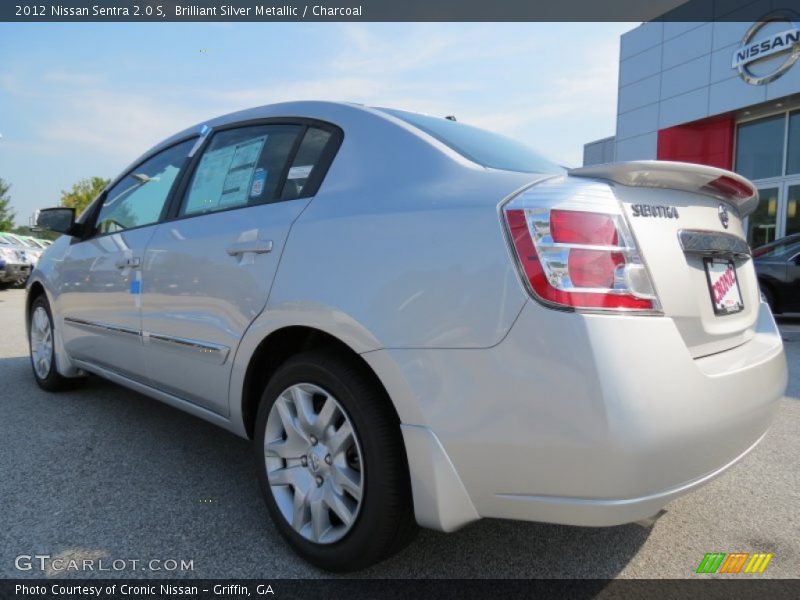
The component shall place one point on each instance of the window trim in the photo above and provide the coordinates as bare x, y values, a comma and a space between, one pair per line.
309, 190
175, 196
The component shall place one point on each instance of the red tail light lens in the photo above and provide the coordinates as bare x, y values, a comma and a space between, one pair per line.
578, 227
593, 268
728, 186
579, 258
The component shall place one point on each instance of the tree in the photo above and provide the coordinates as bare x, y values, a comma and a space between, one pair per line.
82, 193
6, 214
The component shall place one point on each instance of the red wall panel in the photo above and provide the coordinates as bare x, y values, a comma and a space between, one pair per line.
706, 142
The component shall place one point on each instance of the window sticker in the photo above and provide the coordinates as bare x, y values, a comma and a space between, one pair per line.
300, 172
257, 187
224, 176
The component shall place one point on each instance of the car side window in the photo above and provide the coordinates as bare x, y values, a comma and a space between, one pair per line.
240, 167
139, 198
308, 157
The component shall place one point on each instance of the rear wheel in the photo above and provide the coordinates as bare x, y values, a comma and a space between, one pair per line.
43, 359
331, 463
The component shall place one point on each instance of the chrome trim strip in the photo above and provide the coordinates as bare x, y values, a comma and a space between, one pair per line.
94, 325
713, 243
212, 353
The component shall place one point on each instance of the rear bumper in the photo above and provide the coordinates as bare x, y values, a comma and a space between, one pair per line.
581, 419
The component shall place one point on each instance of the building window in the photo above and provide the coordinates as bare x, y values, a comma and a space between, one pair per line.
768, 152
793, 155
759, 148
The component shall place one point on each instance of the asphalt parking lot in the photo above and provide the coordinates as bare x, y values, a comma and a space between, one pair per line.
103, 472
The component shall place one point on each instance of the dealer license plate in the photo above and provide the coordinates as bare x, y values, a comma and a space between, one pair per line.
726, 297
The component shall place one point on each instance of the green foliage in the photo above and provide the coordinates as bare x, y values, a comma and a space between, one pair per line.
6, 214
82, 193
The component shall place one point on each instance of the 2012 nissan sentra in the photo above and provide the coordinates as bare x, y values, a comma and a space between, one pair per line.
419, 322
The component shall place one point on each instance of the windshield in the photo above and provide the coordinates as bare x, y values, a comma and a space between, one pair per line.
486, 148
787, 245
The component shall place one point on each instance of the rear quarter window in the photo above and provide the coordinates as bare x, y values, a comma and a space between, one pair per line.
309, 158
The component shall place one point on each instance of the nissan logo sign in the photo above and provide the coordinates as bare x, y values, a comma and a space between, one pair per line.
757, 48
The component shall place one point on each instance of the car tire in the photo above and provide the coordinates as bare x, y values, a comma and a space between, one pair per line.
769, 298
42, 349
302, 490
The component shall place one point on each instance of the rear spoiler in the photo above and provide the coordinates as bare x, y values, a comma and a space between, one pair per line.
687, 177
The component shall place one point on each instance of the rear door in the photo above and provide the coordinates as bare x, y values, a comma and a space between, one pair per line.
207, 272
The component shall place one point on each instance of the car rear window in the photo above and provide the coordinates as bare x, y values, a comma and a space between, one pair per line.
486, 148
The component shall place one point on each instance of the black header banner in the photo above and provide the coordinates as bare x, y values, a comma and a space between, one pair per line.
388, 10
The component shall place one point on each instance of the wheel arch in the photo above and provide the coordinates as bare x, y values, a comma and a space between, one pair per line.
277, 347
35, 290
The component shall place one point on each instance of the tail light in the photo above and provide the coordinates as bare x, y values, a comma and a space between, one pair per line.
575, 249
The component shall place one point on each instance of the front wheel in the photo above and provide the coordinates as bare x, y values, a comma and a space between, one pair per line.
331, 463
43, 358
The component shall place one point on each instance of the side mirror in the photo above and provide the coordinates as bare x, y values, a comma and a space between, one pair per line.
60, 220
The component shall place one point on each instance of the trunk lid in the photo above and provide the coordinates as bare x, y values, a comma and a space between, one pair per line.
677, 213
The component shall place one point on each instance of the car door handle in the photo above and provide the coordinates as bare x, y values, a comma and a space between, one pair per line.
129, 262
256, 247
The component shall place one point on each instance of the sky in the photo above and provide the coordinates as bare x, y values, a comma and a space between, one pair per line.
82, 99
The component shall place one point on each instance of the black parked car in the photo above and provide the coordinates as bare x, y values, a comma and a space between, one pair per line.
778, 269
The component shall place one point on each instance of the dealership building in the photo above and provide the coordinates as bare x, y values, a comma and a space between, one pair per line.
725, 93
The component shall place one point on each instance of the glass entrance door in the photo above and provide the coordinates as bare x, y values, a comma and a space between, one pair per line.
762, 224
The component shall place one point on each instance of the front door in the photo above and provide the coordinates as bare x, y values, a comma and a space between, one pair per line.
208, 272
98, 281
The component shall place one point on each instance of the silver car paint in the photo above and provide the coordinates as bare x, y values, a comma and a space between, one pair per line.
198, 300
99, 318
402, 257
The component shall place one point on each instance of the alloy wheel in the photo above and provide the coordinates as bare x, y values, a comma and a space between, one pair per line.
41, 342
314, 463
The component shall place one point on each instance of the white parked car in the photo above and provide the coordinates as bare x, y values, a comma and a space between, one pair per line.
16, 265
420, 322
32, 250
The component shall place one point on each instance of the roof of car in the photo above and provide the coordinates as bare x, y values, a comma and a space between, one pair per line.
307, 109
349, 116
